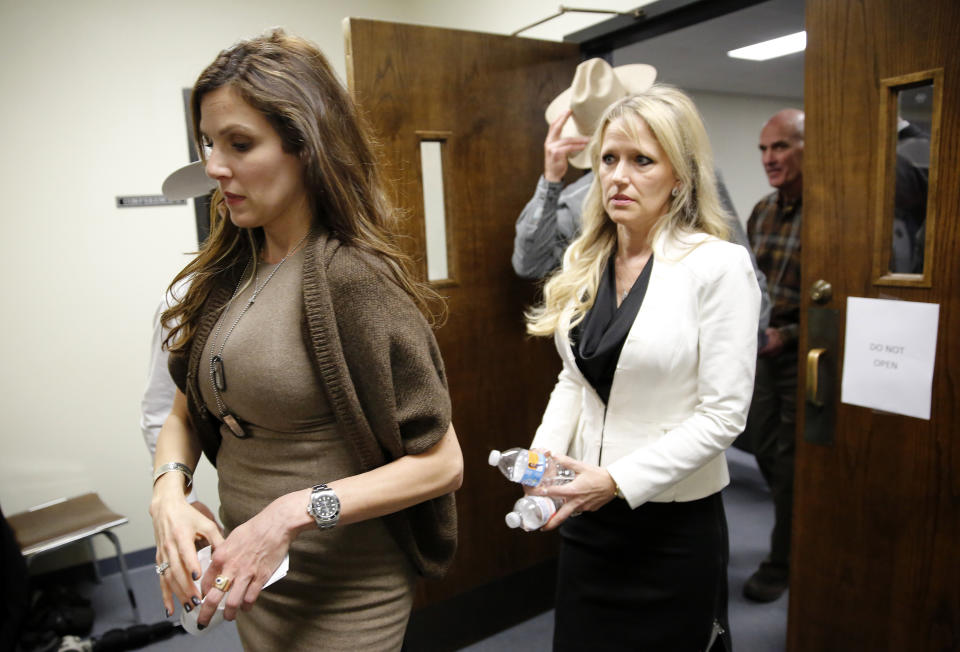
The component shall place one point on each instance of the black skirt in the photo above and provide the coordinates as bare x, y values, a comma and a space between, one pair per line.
650, 579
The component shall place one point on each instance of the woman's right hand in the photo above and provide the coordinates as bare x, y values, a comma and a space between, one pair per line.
592, 488
177, 527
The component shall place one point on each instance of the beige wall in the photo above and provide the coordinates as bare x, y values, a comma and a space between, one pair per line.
92, 109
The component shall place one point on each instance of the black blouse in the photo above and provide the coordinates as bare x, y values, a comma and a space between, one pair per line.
599, 337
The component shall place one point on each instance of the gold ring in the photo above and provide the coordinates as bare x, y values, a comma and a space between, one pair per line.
222, 583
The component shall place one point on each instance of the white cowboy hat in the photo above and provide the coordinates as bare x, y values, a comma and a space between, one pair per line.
596, 85
189, 181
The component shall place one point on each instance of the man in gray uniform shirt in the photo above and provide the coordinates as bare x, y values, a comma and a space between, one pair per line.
551, 220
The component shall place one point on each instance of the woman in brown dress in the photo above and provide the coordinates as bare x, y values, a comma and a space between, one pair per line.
307, 373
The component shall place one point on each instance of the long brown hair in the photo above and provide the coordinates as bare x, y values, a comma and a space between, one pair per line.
291, 83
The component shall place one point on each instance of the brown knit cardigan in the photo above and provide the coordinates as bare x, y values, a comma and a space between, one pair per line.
381, 369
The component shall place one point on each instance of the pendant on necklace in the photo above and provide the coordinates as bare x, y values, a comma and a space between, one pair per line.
219, 375
234, 426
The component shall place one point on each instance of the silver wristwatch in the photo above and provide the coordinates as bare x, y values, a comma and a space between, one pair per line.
324, 506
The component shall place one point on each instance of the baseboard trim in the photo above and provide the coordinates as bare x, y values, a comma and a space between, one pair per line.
135, 559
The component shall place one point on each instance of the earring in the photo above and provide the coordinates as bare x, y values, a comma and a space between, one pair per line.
675, 191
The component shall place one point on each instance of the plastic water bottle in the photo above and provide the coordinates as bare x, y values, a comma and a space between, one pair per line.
529, 468
532, 512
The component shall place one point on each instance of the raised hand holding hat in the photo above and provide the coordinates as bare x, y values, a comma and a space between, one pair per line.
596, 85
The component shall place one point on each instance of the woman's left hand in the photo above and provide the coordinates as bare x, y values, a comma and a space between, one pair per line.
590, 490
247, 558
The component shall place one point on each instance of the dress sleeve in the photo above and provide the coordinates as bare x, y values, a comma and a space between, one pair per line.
729, 308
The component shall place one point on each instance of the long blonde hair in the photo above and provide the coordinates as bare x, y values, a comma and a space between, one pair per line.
675, 122
291, 83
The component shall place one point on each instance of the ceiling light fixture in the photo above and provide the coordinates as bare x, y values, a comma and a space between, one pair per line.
771, 49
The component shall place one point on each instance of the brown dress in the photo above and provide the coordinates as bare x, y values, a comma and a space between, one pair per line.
348, 588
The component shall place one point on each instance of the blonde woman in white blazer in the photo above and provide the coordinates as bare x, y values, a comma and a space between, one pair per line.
655, 318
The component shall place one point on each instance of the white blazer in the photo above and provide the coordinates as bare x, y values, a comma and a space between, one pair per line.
683, 383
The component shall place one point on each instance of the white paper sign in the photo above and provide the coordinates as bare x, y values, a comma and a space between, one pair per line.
888, 355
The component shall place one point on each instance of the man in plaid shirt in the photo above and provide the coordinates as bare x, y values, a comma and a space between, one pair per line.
774, 230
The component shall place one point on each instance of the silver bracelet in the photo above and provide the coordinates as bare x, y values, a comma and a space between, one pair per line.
173, 466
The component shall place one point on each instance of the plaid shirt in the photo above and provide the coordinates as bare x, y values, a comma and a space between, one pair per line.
774, 231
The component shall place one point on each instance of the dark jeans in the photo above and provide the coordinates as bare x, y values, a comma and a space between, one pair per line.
770, 436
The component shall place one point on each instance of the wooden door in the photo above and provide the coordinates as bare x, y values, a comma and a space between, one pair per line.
876, 537
482, 97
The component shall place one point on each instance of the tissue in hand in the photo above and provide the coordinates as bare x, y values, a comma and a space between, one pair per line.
189, 619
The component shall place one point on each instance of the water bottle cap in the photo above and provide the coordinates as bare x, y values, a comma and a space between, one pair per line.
513, 520
494, 458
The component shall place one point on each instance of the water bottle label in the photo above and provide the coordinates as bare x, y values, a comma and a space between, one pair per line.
536, 466
547, 507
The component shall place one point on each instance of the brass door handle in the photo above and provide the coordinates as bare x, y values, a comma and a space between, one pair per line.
813, 376
821, 292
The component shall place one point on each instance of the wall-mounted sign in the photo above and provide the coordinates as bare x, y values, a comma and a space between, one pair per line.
888, 355
136, 201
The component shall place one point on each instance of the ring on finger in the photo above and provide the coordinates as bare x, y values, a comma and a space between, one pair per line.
162, 567
222, 582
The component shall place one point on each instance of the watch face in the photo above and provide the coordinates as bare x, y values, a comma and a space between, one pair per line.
326, 506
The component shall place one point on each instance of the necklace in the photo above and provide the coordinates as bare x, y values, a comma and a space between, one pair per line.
218, 373
626, 274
